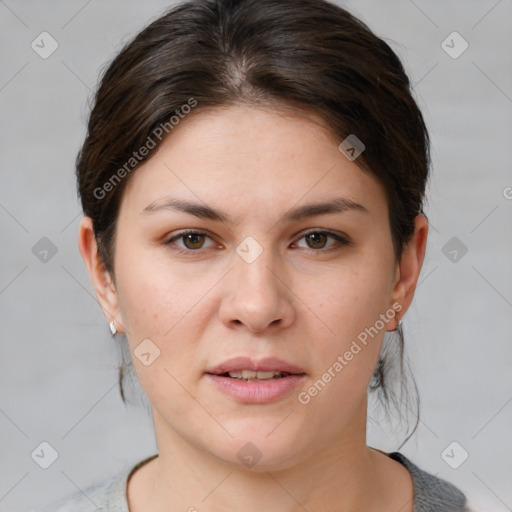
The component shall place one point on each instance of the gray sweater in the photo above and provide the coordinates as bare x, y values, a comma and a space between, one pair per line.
431, 494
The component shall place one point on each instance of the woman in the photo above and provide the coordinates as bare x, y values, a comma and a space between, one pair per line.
252, 181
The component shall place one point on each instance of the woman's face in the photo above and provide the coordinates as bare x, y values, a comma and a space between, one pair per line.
252, 290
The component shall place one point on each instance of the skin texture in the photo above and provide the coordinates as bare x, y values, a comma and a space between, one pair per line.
296, 301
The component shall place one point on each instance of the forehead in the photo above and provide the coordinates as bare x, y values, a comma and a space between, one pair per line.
249, 156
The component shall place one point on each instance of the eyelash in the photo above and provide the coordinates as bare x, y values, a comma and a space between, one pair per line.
343, 241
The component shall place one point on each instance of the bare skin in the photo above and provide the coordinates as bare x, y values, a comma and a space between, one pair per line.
304, 299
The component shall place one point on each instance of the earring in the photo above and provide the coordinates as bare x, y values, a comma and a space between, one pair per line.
398, 326
113, 329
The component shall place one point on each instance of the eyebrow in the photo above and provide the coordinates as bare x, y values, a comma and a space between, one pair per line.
335, 205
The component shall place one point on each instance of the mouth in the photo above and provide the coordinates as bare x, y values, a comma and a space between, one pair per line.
249, 375
249, 381
246, 368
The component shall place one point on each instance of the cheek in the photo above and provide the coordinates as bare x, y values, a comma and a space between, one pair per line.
353, 297
155, 296
165, 329
344, 362
162, 312
351, 305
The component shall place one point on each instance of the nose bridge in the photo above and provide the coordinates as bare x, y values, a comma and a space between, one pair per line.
257, 297
255, 268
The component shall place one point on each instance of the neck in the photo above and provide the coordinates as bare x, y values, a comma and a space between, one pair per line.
344, 474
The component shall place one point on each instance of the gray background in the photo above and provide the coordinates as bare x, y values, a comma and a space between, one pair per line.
58, 362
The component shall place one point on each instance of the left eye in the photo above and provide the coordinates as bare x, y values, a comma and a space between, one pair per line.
319, 238
316, 240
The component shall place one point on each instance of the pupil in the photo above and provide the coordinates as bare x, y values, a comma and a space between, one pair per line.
194, 237
316, 235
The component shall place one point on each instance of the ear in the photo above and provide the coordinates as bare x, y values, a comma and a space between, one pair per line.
409, 267
101, 279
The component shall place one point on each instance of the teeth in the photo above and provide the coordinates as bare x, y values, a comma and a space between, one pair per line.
252, 375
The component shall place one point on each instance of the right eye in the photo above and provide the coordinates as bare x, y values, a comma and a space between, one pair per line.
192, 240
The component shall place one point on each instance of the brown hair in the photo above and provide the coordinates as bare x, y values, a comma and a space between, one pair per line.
311, 54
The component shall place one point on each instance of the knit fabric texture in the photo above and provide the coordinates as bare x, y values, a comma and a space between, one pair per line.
431, 494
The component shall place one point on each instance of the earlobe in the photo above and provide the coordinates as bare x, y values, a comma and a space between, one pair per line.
100, 277
409, 268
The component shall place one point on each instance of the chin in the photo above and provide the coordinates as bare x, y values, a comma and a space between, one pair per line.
256, 447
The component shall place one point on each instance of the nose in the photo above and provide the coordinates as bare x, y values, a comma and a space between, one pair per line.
257, 295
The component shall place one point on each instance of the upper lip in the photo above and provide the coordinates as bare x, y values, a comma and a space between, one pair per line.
266, 364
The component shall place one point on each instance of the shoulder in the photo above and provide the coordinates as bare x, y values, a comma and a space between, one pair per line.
106, 496
432, 494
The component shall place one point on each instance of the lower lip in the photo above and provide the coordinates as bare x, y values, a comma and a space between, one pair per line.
256, 392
